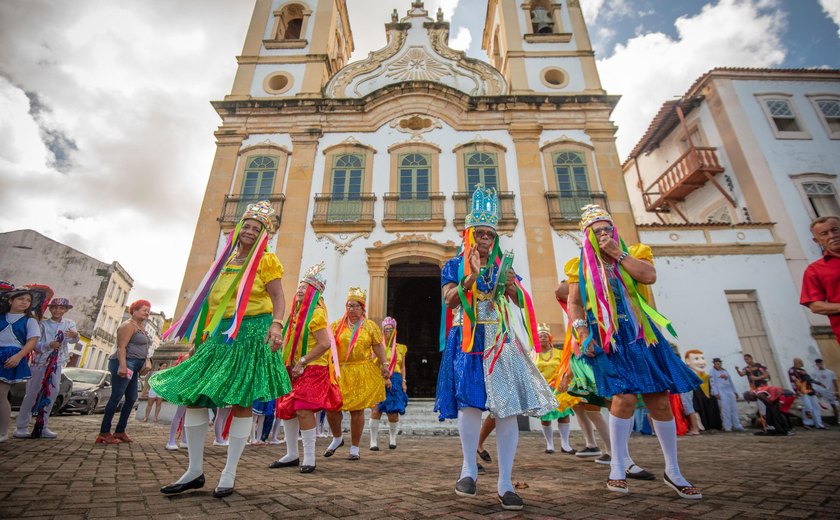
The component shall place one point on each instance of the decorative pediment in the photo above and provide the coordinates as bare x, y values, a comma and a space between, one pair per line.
417, 50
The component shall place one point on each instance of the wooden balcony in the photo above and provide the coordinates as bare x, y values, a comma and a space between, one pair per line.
507, 211
235, 206
414, 212
564, 207
343, 213
691, 171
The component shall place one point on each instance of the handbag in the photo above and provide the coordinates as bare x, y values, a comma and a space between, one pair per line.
147, 367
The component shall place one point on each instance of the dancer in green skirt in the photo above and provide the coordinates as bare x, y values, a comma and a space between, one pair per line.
235, 320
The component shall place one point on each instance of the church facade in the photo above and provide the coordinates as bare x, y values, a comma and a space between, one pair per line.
370, 164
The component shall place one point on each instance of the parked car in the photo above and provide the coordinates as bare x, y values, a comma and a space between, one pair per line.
65, 388
91, 390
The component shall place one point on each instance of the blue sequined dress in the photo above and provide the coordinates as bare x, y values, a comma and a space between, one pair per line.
515, 386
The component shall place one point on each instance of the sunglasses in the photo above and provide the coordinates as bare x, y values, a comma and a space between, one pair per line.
604, 230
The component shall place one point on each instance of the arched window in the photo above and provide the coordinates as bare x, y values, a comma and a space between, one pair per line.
542, 21
347, 177
291, 22
257, 181
481, 168
414, 176
570, 172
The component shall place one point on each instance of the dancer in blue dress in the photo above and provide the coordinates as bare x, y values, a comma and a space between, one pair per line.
629, 356
484, 365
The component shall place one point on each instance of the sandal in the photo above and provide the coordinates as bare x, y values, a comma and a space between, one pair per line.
690, 492
617, 485
123, 437
107, 438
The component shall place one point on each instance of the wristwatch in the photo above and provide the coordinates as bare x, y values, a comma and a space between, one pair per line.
302, 360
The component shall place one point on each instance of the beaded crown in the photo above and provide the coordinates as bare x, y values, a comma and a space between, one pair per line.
263, 213
484, 210
592, 213
357, 294
389, 322
314, 276
543, 328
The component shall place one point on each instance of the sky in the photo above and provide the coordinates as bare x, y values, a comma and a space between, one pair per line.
106, 128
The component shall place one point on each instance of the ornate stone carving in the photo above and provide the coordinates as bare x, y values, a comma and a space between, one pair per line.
343, 242
492, 80
416, 124
417, 64
342, 79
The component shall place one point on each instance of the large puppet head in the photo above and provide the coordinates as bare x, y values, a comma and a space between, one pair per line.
695, 360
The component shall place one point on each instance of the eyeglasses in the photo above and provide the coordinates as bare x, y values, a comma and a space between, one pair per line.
606, 229
485, 234
353, 306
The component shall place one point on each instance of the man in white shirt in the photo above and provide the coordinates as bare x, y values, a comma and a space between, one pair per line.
40, 363
827, 386
721, 387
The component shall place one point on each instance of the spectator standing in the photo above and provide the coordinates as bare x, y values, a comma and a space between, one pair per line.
153, 398
802, 384
756, 373
821, 281
722, 388
827, 386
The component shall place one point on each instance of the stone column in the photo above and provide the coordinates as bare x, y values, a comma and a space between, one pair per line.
206, 238
541, 260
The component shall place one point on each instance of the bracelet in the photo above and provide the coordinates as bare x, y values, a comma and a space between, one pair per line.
622, 256
462, 283
302, 360
275, 320
580, 324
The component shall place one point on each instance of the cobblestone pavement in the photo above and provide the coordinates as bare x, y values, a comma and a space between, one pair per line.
742, 476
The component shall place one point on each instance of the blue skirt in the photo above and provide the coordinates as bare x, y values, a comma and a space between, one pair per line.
632, 367
395, 398
13, 375
461, 377
263, 407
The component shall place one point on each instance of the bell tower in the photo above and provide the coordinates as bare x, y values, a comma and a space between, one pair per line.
292, 49
541, 46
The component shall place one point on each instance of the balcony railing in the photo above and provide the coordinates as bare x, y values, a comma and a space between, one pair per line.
413, 211
107, 337
353, 212
235, 206
564, 206
507, 211
688, 173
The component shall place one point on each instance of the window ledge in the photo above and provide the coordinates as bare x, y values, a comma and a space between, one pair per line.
285, 44
548, 38
327, 226
394, 225
793, 135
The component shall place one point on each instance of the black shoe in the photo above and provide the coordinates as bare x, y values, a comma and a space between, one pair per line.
640, 475
484, 455
511, 501
352, 456
568, 452
392, 446
221, 492
280, 464
549, 451
307, 469
329, 453
604, 459
465, 487
374, 448
589, 452
481, 470
173, 489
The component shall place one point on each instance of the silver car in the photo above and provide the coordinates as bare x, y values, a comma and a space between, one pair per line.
91, 390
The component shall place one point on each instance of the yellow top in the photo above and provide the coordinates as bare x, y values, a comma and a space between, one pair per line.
638, 251
259, 302
318, 322
401, 350
369, 336
547, 365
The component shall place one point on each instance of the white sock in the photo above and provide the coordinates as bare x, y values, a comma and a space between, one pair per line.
222, 415
238, 439
507, 437
290, 430
308, 437
374, 431
548, 433
601, 425
335, 442
275, 429
469, 428
392, 430
354, 450
565, 429
587, 429
195, 430
619, 435
666, 432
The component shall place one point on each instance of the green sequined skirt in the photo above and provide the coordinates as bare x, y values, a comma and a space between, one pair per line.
583, 383
223, 374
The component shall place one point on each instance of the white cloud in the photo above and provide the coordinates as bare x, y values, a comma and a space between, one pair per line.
462, 40
590, 10
652, 68
832, 9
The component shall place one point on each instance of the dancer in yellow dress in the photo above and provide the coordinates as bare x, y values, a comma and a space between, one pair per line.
357, 339
548, 363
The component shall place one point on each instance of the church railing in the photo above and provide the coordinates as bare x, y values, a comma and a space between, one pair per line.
343, 212
507, 210
417, 211
564, 206
235, 206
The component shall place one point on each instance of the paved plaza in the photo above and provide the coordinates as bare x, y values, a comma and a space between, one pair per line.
742, 476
